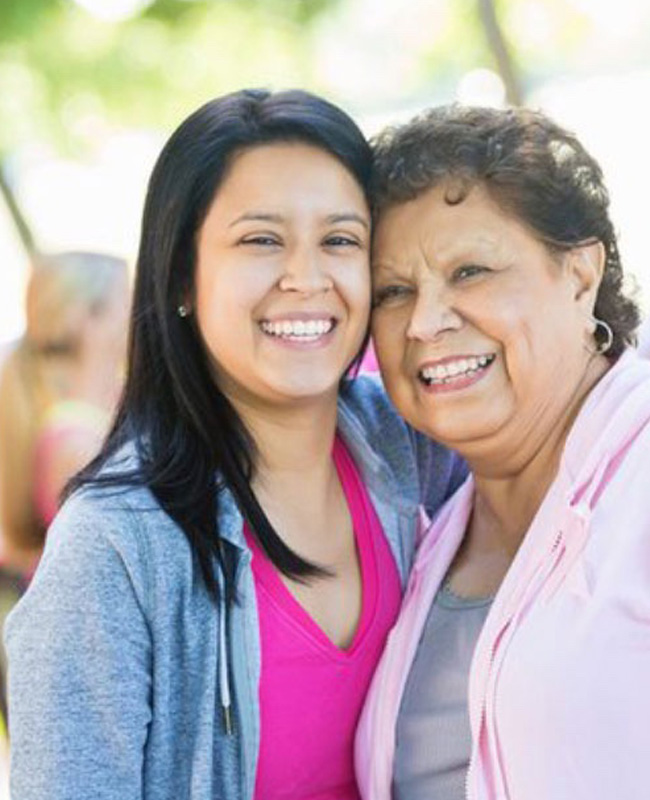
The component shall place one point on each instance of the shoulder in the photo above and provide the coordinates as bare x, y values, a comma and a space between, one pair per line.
369, 422
625, 480
103, 531
613, 476
93, 546
365, 399
616, 561
367, 414
114, 506
372, 428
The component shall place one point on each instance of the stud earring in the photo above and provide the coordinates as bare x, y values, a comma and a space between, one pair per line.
182, 311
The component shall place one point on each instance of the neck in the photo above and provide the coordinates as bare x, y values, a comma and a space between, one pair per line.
293, 440
295, 480
508, 496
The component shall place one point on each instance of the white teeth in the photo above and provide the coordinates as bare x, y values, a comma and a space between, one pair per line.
303, 329
444, 373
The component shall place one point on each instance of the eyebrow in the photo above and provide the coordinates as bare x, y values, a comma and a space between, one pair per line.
257, 216
349, 216
383, 269
262, 216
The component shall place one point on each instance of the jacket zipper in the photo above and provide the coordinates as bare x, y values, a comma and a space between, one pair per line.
554, 557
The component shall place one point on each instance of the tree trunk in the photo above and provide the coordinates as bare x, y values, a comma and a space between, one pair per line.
22, 225
499, 47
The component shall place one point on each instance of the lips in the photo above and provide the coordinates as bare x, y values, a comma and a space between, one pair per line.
455, 368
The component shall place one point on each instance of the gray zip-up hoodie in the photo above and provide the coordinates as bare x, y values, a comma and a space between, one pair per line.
120, 661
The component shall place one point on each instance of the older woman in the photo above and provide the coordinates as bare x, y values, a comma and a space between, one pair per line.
520, 666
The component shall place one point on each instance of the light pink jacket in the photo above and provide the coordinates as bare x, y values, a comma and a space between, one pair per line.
559, 692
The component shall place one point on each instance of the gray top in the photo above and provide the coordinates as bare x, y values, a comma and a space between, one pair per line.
117, 659
433, 741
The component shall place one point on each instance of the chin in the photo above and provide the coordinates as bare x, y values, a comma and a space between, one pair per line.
300, 392
452, 433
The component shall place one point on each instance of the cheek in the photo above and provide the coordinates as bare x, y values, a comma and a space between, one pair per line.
389, 343
540, 346
218, 312
379, 329
354, 284
226, 292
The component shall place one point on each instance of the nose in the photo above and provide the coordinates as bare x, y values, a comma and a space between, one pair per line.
305, 271
433, 314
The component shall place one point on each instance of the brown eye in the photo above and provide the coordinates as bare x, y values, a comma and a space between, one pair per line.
341, 241
468, 271
260, 240
384, 294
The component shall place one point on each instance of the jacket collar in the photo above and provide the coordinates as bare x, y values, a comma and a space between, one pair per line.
617, 408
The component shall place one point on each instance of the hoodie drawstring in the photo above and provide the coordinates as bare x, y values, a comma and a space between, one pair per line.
224, 666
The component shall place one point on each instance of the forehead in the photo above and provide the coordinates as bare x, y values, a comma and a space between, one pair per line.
431, 224
273, 170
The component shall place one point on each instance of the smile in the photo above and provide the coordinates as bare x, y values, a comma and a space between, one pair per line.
453, 370
298, 330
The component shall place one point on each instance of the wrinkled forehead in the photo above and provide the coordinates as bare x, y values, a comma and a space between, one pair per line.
446, 223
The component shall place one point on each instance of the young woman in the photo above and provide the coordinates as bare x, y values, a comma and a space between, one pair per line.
214, 597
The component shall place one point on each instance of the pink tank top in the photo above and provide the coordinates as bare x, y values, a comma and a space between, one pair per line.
311, 692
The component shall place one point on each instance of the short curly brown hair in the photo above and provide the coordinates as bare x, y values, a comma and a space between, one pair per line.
533, 169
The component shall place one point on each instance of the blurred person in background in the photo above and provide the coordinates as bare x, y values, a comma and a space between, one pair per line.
58, 388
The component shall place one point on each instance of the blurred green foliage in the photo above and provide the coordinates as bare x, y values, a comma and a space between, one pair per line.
62, 70
65, 73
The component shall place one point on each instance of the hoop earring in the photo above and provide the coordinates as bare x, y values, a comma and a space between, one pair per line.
183, 311
606, 345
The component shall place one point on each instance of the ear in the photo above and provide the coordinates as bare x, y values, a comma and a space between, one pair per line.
586, 264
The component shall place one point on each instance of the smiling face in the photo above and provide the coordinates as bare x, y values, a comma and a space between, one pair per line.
480, 331
282, 288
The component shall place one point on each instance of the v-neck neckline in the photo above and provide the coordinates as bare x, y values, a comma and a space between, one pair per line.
286, 602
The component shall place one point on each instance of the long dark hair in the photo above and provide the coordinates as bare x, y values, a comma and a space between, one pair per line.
191, 443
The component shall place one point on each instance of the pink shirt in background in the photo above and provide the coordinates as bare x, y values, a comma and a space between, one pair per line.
369, 361
311, 692
74, 427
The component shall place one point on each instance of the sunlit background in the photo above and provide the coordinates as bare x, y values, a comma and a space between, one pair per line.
89, 90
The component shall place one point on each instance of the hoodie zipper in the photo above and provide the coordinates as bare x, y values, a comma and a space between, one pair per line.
554, 555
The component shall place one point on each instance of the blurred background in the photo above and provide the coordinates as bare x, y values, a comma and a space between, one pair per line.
89, 89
